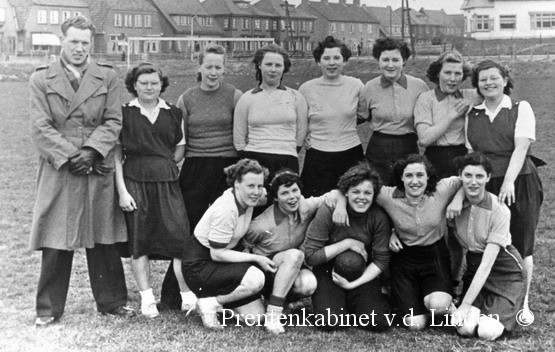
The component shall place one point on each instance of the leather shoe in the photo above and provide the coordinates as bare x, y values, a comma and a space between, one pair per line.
121, 311
43, 322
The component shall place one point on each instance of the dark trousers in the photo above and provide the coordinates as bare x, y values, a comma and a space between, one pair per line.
105, 274
332, 301
384, 150
202, 181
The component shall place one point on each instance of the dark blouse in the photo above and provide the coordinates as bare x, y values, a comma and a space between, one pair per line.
149, 147
372, 228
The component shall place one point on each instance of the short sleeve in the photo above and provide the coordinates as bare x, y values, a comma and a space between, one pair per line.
526, 122
222, 227
499, 231
423, 110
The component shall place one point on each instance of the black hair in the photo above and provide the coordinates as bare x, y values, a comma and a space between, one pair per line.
331, 42
400, 166
270, 48
79, 22
450, 57
236, 171
486, 65
475, 159
283, 177
358, 174
387, 43
144, 67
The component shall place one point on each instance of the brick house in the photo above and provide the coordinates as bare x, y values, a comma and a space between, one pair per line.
296, 36
38, 23
347, 22
449, 26
390, 22
117, 20
424, 28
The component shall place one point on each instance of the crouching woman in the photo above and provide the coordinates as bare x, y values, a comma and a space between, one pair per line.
494, 281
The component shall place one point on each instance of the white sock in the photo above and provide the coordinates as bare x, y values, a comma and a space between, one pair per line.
147, 296
188, 296
274, 309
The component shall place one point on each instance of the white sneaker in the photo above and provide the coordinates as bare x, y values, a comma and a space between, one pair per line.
149, 310
273, 324
188, 302
208, 310
527, 317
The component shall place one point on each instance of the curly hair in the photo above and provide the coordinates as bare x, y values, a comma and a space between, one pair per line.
400, 166
283, 177
385, 44
236, 171
331, 42
486, 65
474, 159
140, 69
270, 48
358, 174
447, 57
79, 22
209, 49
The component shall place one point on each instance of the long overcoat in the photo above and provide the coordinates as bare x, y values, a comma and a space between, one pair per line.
75, 211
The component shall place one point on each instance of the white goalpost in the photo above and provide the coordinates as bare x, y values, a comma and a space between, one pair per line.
188, 46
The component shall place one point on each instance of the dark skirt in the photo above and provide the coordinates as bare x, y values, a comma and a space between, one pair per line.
525, 211
444, 158
417, 271
202, 181
208, 278
384, 150
503, 292
322, 170
273, 162
159, 226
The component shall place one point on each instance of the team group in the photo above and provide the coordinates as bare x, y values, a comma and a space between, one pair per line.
233, 219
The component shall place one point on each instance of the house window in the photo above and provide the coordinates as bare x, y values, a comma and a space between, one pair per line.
283, 25
483, 23
507, 22
352, 28
310, 26
65, 15
148, 21
369, 28
226, 23
274, 25
543, 20
333, 27
54, 17
138, 21
128, 20
257, 24
184, 20
342, 27
151, 46
267, 24
246, 23
234, 23
292, 25
41, 16
117, 20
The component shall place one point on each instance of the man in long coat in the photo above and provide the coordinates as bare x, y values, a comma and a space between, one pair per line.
76, 120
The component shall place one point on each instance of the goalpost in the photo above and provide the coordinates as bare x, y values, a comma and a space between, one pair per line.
188, 46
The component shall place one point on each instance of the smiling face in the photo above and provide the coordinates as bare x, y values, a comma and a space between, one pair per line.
415, 180
249, 190
332, 63
272, 67
491, 83
76, 44
450, 77
360, 197
391, 64
474, 179
288, 198
148, 87
211, 71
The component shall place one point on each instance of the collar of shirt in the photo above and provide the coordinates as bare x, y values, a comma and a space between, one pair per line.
259, 89
150, 116
397, 193
242, 210
485, 203
279, 215
505, 103
440, 95
402, 81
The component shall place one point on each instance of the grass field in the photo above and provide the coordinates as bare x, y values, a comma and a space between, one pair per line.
83, 329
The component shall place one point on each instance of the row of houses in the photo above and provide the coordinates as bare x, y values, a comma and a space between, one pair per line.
33, 26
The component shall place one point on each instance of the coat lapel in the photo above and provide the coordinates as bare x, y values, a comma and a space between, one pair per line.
58, 82
91, 82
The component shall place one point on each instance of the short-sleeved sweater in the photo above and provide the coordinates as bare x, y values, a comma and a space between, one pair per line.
148, 147
208, 121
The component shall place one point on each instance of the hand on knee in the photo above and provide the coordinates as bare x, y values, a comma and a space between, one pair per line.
489, 328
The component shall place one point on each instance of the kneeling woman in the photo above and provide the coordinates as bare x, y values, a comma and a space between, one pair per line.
494, 281
420, 263
213, 270
326, 242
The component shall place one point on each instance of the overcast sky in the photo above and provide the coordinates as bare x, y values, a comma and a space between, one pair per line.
450, 6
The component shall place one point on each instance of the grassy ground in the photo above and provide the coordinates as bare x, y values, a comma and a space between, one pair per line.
82, 329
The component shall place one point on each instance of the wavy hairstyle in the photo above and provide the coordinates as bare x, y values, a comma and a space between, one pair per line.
387, 43
331, 42
447, 57
79, 22
144, 67
486, 65
236, 171
270, 48
401, 165
358, 174
474, 159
